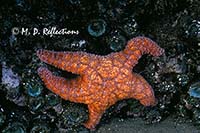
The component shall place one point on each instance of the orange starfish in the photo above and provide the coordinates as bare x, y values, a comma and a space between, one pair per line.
103, 80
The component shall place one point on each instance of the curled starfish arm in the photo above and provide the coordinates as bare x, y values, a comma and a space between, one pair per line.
138, 46
67, 89
145, 46
75, 62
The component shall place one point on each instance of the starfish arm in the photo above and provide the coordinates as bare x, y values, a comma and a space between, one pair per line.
75, 62
142, 91
67, 89
145, 46
95, 114
138, 46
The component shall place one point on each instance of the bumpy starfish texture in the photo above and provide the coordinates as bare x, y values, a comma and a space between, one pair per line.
103, 80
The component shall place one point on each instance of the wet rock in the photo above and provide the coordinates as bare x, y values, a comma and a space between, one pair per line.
12, 40
153, 116
176, 65
15, 127
40, 128
35, 104
196, 116
73, 115
135, 109
2, 117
